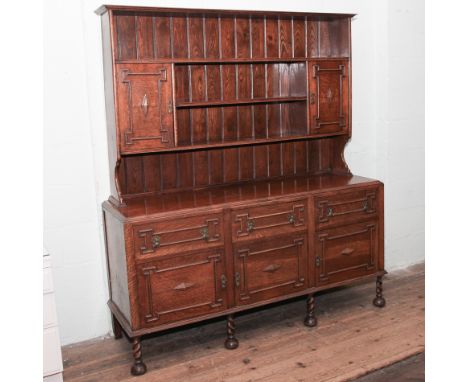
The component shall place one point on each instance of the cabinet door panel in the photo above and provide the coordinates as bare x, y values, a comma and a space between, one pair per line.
270, 268
181, 287
145, 115
328, 96
346, 252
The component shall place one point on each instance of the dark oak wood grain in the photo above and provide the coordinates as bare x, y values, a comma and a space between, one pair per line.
230, 189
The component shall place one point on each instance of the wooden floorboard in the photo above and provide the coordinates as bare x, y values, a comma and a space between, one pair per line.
408, 370
352, 339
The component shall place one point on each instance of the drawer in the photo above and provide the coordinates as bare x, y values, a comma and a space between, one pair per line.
270, 219
346, 252
49, 317
270, 268
345, 207
47, 284
52, 360
173, 236
181, 287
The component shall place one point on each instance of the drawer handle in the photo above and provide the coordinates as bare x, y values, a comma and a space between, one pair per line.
329, 211
204, 233
347, 251
292, 219
317, 261
237, 278
272, 268
250, 225
366, 206
156, 241
183, 286
223, 281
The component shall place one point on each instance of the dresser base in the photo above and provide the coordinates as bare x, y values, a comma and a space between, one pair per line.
120, 324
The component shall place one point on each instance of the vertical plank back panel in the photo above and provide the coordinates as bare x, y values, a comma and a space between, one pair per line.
126, 37
162, 36
167, 35
145, 40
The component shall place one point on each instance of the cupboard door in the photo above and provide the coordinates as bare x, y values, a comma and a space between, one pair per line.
345, 253
328, 96
145, 109
181, 287
271, 268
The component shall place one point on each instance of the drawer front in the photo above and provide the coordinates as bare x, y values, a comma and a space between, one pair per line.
175, 235
345, 207
270, 268
181, 287
268, 220
346, 252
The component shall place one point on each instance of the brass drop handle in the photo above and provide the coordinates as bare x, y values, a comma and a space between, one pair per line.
169, 107
156, 241
223, 281
317, 261
366, 206
292, 219
312, 98
204, 233
329, 211
237, 279
250, 225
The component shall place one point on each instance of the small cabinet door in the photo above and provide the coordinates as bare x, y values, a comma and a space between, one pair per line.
145, 109
265, 269
328, 96
346, 253
181, 287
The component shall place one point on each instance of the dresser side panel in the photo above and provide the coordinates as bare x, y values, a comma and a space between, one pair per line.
112, 137
117, 264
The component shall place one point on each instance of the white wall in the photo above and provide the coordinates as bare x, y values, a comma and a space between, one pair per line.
387, 143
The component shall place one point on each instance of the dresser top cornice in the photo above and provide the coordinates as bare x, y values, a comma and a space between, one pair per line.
108, 7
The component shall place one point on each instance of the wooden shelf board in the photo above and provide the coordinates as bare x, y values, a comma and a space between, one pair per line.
236, 143
216, 61
142, 206
249, 101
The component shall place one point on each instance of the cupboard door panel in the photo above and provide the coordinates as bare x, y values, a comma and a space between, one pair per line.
181, 287
346, 252
328, 96
145, 110
269, 269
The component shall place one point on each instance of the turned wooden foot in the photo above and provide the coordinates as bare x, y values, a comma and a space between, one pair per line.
231, 340
379, 301
138, 367
116, 328
310, 319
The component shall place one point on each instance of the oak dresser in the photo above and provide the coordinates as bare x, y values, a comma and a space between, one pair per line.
229, 188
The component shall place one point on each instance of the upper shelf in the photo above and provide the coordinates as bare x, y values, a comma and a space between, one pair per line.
189, 37
247, 101
217, 61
